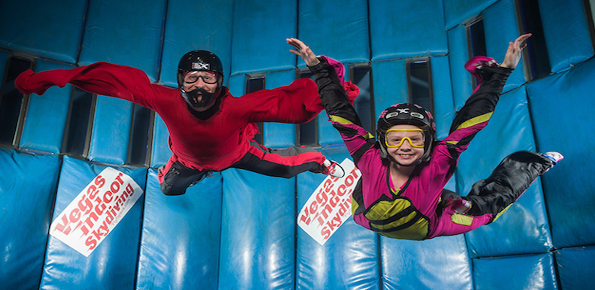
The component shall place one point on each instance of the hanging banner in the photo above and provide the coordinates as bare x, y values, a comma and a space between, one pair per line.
96, 211
330, 204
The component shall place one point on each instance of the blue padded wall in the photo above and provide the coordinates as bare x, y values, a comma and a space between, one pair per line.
180, 237
45, 125
561, 104
279, 135
112, 265
390, 84
462, 84
27, 190
160, 150
462, 11
575, 267
3, 60
112, 123
105, 39
395, 31
518, 272
444, 110
32, 27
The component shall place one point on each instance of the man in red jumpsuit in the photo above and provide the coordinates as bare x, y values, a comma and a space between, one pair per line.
209, 129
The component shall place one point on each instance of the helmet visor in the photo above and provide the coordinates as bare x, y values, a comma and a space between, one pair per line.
206, 76
396, 137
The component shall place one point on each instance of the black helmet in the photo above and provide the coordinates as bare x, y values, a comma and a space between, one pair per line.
406, 114
199, 60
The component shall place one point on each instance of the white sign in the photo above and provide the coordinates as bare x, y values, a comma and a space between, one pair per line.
330, 204
96, 211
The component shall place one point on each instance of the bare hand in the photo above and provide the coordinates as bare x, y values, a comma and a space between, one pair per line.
303, 51
513, 54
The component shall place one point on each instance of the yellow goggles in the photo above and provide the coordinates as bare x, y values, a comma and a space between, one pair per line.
396, 137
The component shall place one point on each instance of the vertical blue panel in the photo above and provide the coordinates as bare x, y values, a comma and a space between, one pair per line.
562, 104
194, 25
460, 11
524, 272
259, 32
335, 28
524, 228
462, 83
27, 189
396, 32
237, 85
180, 237
47, 115
390, 84
124, 32
444, 110
441, 263
348, 260
161, 152
279, 135
111, 130
32, 27
257, 231
501, 27
3, 61
112, 265
564, 23
576, 267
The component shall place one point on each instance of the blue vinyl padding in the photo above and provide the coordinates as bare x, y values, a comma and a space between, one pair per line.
27, 190
259, 33
462, 11
440, 263
335, 28
443, 98
524, 227
112, 265
180, 236
566, 33
126, 33
160, 151
111, 130
395, 30
390, 84
561, 105
501, 27
278, 135
575, 267
462, 83
258, 231
32, 27
47, 115
196, 25
520, 272
348, 260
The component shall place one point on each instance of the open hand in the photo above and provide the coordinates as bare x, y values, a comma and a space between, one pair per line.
303, 51
513, 54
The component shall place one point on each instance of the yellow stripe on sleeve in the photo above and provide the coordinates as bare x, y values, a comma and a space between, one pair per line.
476, 120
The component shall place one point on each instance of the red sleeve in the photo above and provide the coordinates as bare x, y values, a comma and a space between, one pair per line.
99, 78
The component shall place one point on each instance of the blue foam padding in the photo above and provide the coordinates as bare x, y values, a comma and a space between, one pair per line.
444, 110
127, 33
501, 27
524, 228
32, 26
278, 135
112, 265
45, 125
160, 152
565, 22
561, 105
462, 83
349, 259
257, 231
335, 28
395, 31
192, 25
575, 267
522, 272
390, 85
180, 236
259, 33
111, 130
27, 190
440, 263
462, 11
